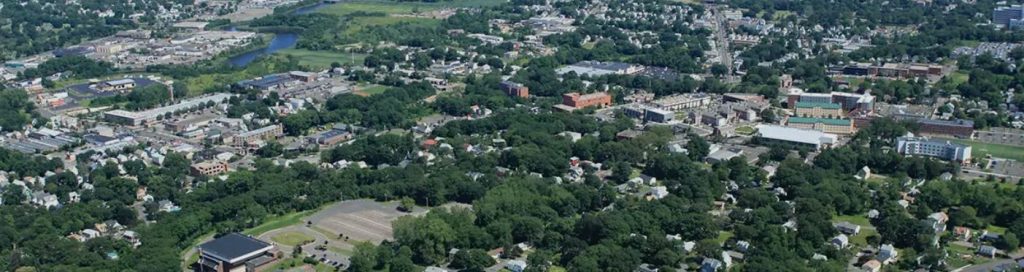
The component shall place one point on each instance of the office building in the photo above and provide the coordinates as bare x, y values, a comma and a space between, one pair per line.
515, 89
682, 101
848, 102
819, 110
921, 146
578, 101
264, 133
210, 168
1008, 17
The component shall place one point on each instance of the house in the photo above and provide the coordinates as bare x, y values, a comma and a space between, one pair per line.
887, 253
168, 206
659, 192
989, 236
710, 265
871, 266
987, 251
88, 234
646, 267
937, 221
864, 173
848, 228
873, 213
841, 241
516, 265
962, 233
44, 199
131, 237
235, 252
742, 246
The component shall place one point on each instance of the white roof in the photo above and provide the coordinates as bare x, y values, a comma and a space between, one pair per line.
798, 135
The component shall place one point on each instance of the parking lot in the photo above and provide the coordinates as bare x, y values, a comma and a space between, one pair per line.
360, 220
1006, 136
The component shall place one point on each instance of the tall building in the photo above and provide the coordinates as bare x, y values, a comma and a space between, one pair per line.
1009, 17
921, 146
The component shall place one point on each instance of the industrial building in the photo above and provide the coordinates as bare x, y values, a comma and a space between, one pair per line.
130, 118
1008, 17
921, 146
573, 101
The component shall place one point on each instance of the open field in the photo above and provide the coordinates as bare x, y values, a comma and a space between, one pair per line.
320, 60
860, 219
980, 150
298, 265
278, 222
291, 238
724, 236
359, 23
368, 90
745, 130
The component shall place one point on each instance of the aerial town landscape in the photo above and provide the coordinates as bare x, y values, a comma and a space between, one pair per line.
521, 135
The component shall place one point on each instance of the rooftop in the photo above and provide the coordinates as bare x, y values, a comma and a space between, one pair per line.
806, 136
830, 106
827, 121
233, 246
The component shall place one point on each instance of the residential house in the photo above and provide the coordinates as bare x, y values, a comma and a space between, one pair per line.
516, 265
937, 221
962, 233
987, 251
848, 228
841, 241
887, 254
871, 266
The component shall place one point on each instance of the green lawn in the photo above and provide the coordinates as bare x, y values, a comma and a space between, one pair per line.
996, 229
296, 264
358, 23
860, 219
373, 89
319, 60
724, 236
341, 251
745, 130
291, 238
958, 77
980, 150
278, 222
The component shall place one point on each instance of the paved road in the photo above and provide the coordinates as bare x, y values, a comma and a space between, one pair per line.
985, 267
310, 248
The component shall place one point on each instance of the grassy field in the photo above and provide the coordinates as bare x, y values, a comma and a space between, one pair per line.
278, 222
979, 150
958, 77
745, 130
319, 60
296, 265
357, 24
291, 238
861, 219
373, 89
724, 236
996, 229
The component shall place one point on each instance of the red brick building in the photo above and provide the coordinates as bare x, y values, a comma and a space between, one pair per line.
578, 101
515, 89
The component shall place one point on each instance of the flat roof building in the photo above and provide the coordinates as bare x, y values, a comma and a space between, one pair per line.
798, 136
148, 116
827, 125
235, 252
578, 101
921, 146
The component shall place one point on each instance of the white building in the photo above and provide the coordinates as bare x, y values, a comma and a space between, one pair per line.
921, 146
814, 138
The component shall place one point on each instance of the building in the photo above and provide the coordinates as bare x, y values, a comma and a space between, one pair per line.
957, 128
264, 133
303, 76
209, 168
514, 89
578, 101
841, 241
683, 101
887, 254
848, 102
848, 228
835, 126
598, 68
819, 110
987, 251
330, 137
149, 116
1008, 17
871, 266
658, 116
268, 82
119, 85
797, 136
946, 150
516, 265
235, 252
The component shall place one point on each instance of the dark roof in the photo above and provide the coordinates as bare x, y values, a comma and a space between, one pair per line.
232, 245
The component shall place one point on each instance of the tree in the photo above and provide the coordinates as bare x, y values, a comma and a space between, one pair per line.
697, 147
1009, 242
407, 204
719, 69
270, 150
471, 260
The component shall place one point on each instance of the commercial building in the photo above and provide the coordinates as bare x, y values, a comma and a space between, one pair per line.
1008, 17
578, 101
827, 125
893, 70
946, 150
848, 102
598, 68
797, 136
330, 137
145, 117
209, 168
958, 128
263, 133
819, 110
119, 85
235, 252
514, 89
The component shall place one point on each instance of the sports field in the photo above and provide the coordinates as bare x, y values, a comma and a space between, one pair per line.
980, 150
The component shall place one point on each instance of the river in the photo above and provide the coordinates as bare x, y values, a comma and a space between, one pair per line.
280, 41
